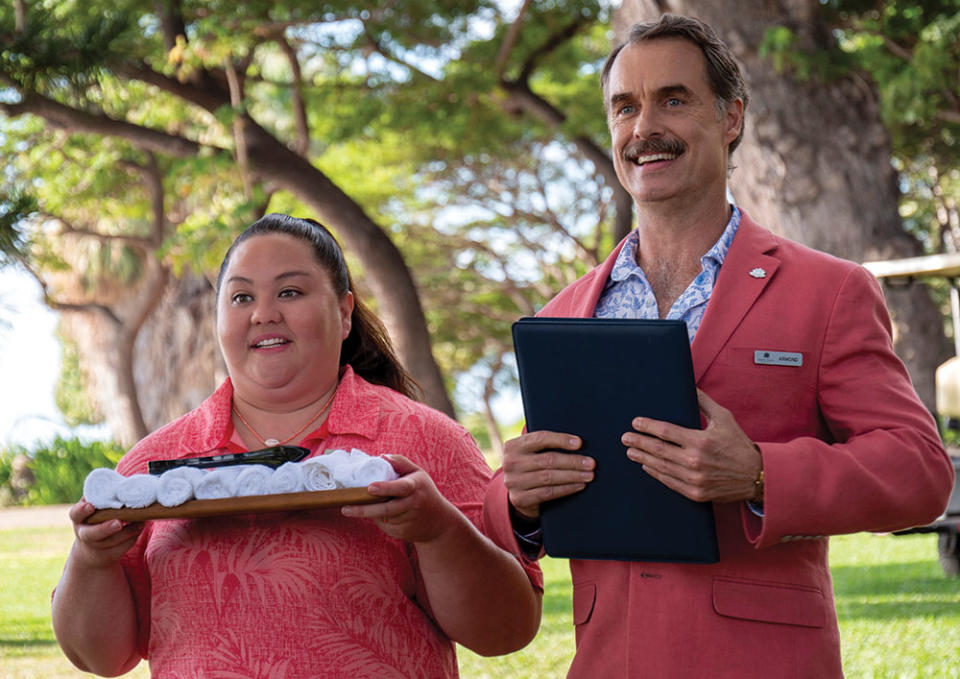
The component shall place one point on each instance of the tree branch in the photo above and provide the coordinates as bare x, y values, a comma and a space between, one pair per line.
75, 120
552, 43
522, 99
897, 49
171, 22
525, 100
510, 39
20, 13
302, 143
69, 230
239, 135
389, 56
69, 307
205, 90
949, 116
153, 179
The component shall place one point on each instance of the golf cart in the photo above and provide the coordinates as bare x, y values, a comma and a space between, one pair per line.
904, 271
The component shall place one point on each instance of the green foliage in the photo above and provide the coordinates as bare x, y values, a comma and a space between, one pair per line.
74, 54
404, 106
60, 467
14, 244
822, 62
912, 52
70, 392
475, 425
6, 470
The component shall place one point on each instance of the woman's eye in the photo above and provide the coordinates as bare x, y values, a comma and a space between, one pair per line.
240, 298
289, 292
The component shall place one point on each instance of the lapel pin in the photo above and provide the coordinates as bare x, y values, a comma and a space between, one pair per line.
758, 273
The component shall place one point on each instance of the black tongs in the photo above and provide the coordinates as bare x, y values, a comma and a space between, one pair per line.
272, 457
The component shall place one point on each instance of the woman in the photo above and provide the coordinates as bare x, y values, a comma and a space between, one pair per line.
379, 590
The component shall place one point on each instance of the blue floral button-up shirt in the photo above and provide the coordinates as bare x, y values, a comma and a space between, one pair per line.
627, 293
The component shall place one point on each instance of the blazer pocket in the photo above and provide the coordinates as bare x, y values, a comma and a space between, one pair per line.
769, 602
584, 598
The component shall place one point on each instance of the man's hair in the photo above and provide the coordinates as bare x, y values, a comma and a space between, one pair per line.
723, 74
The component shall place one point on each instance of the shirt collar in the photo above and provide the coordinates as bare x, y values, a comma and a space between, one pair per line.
718, 252
626, 262
356, 409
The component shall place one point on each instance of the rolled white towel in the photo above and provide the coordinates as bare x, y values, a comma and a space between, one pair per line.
100, 488
218, 483
357, 469
318, 473
138, 490
253, 480
338, 454
364, 472
176, 485
287, 478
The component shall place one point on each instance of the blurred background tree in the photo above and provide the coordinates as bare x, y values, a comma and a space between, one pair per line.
148, 134
458, 150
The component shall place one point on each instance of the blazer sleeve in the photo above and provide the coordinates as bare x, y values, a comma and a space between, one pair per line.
886, 468
498, 527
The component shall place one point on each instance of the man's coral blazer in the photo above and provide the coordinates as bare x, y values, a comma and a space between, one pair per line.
847, 446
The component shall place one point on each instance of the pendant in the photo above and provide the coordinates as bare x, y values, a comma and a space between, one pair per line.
272, 442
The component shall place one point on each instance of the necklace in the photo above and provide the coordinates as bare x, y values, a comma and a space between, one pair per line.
274, 442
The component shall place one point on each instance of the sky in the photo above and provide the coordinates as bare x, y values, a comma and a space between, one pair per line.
29, 366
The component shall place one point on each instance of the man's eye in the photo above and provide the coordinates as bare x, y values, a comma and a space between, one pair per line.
673, 102
626, 110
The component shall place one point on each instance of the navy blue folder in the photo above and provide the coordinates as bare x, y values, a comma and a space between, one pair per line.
591, 377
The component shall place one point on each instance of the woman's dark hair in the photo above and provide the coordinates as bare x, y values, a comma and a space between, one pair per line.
367, 348
723, 73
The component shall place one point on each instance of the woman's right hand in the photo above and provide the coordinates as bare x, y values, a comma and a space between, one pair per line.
101, 545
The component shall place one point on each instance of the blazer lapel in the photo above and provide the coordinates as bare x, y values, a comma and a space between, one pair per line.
747, 270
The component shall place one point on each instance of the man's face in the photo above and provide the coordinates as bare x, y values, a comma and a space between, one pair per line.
667, 140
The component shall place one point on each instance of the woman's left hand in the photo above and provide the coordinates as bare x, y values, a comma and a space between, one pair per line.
416, 512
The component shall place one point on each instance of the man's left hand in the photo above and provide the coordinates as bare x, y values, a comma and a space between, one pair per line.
716, 464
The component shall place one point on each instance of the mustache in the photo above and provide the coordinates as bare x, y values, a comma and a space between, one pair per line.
644, 147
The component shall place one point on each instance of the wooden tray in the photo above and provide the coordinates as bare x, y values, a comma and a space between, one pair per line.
249, 504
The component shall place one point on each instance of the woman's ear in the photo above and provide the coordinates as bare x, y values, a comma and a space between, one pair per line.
346, 314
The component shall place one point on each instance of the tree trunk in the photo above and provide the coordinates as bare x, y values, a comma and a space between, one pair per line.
814, 164
135, 392
182, 331
107, 344
385, 271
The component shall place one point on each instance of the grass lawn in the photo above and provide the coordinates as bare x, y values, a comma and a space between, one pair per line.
899, 616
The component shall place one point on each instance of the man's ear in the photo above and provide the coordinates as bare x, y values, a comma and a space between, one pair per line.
733, 120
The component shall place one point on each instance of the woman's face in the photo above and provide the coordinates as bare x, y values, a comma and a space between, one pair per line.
279, 322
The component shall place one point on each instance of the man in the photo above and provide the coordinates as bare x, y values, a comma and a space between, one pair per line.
830, 438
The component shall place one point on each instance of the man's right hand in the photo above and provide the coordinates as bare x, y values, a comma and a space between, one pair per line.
534, 469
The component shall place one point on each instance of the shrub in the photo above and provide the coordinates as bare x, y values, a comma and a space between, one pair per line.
60, 467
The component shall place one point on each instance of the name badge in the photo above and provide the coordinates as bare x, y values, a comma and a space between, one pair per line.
765, 357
